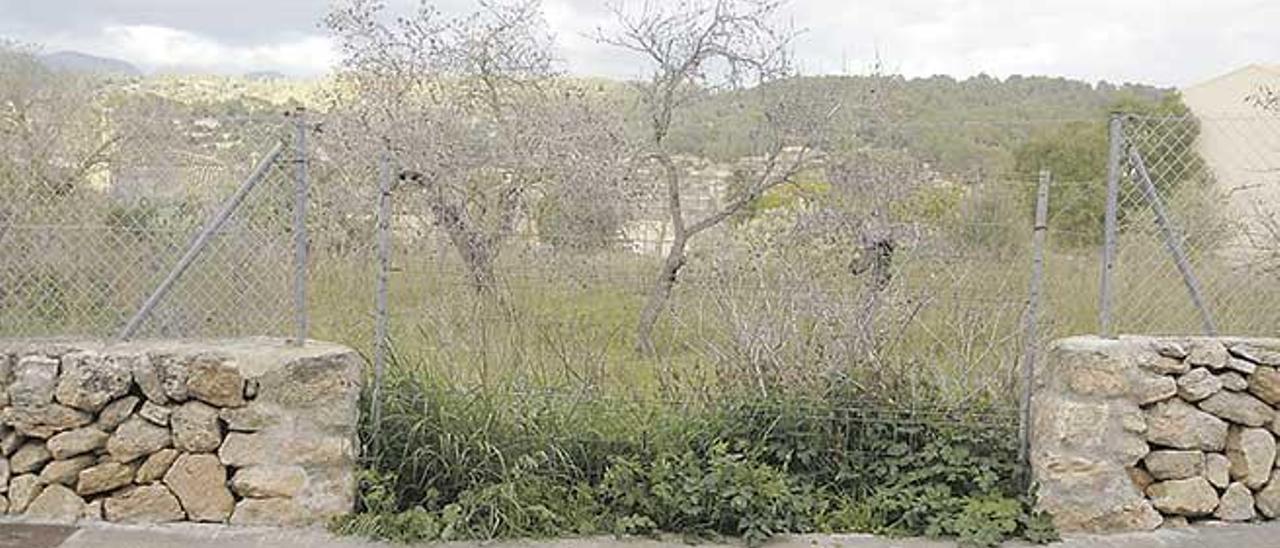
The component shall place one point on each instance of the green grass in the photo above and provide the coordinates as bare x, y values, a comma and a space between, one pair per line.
531, 413
446, 463
949, 328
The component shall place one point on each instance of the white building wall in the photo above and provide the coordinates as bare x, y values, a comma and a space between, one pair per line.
1240, 142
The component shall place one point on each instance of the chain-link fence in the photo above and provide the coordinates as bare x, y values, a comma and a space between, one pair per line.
922, 301
123, 238
924, 305
923, 298
1193, 232
881, 274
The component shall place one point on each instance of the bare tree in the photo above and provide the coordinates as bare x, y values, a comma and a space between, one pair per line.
48, 121
697, 48
53, 138
475, 114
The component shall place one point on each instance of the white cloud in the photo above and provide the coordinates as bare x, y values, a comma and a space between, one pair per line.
1167, 42
575, 25
165, 49
1170, 42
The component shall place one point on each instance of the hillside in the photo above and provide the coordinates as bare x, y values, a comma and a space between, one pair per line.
967, 128
232, 94
83, 63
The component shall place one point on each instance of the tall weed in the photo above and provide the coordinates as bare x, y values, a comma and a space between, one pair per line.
455, 463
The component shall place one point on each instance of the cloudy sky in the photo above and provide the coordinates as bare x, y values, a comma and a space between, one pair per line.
1167, 42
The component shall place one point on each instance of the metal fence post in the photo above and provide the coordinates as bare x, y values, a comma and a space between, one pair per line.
300, 239
382, 318
1031, 321
1172, 241
1115, 138
201, 241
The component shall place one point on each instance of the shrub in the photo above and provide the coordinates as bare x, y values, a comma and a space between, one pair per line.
720, 492
500, 463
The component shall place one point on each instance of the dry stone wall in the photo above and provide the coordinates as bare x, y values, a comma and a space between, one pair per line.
246, 432
1139, 432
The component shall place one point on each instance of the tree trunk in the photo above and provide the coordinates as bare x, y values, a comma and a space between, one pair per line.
659, 295
483, 278
476, 250
478, 255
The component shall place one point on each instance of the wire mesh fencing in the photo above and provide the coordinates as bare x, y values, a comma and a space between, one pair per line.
877, 273
1194, 245
88, 236
917, 299
926, 304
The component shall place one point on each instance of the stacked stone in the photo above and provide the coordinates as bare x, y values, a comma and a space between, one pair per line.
1211, 425
156, 437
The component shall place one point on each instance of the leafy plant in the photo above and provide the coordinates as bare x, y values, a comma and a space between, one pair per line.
720, 492
490, 463
380, 516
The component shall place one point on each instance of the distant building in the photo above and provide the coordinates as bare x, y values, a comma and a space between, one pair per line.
705, 186
1241, 143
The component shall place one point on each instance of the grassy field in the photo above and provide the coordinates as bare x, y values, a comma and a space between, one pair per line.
955, 320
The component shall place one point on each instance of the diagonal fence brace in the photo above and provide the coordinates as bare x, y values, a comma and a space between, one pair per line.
201, 242
1172, 240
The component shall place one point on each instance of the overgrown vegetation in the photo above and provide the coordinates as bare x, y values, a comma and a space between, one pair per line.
839, 352
480, 464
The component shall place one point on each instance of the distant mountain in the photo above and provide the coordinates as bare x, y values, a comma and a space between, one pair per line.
74, 61
265, 75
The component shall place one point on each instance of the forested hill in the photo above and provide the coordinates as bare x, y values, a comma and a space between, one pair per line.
968, 128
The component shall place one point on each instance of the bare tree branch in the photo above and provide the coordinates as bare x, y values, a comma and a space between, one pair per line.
477, 116
695, 49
